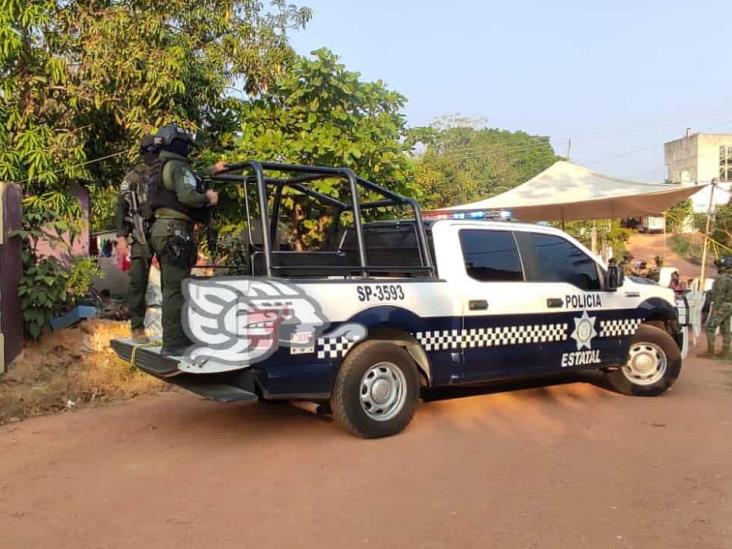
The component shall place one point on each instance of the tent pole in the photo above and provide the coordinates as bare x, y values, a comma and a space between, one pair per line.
706, 234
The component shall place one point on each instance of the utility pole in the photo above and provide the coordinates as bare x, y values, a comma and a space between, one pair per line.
569, 149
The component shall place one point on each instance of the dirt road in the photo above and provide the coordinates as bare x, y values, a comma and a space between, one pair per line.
570, 465
648, 246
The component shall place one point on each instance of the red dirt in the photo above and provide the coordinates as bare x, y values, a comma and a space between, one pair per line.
569, 465
648, 246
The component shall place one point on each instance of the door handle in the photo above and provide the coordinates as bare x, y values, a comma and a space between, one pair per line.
553, 302
477, 304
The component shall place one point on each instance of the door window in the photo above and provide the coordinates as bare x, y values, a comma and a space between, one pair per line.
551, 258
491, 256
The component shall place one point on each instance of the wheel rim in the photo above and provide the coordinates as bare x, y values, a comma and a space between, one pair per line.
383, 391
646, 364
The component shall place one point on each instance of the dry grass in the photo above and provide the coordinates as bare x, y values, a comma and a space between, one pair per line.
68, 369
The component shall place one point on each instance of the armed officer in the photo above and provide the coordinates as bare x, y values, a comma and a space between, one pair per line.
132, 219
178, 201
721, 308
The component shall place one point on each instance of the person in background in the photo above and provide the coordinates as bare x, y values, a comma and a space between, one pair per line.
721, 314
139, 262
676, 284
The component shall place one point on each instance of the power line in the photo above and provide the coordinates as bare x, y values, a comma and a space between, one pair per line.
641, 149
86, 163
617, 131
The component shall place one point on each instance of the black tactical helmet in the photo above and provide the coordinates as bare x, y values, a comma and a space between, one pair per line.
169, 133
148, 144
724, 262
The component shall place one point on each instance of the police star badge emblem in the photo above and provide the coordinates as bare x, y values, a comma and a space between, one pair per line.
584, 331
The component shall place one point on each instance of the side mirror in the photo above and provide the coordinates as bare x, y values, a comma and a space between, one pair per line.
614, 278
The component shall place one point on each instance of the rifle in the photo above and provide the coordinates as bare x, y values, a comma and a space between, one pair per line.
138, 223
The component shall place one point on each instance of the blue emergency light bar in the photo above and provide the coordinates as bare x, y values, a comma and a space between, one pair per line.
493, 215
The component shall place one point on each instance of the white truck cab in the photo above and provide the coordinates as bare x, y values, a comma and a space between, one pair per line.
394, 310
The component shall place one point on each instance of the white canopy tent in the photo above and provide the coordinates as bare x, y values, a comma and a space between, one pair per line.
721, 197
567, 192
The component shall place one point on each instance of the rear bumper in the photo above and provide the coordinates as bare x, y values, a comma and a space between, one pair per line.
147, 359
236, 386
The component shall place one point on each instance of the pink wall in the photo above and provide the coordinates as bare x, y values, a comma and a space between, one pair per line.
81, 242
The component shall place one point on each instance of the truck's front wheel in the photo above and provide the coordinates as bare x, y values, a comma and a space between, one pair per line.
654, 364
376, 390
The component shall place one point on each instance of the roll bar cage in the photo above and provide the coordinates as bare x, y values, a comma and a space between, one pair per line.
298, 177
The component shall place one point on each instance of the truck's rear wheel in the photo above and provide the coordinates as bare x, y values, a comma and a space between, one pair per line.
376, 390
654, 364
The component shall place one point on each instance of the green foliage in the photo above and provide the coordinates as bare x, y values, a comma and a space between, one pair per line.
677, 215
41, 290
86, 80
699, 222
82, 80
233, 252
609, 233
320, 113
463, 161
688, 249
102, 207
47, 284
721, 230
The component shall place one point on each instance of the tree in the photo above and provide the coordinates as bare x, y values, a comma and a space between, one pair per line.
721, 230
84, 79
678, 215
463, 161
609, 232
320, 113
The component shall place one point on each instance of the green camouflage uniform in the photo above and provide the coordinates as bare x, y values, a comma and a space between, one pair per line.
721, 311
140, 264
171, 237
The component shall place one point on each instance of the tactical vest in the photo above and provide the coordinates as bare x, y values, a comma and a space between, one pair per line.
161, 197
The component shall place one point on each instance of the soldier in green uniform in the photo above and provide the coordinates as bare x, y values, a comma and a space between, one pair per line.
721, 309
134, 183
178, 201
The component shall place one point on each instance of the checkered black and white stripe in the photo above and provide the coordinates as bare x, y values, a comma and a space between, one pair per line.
440, 340
334, 347
622, 327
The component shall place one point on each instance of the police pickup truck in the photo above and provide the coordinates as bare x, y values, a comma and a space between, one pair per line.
383, 307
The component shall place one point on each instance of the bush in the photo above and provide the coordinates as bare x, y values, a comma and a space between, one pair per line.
677, 215
612, 234
47, 285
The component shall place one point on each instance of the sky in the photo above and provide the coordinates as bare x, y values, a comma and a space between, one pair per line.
617, 77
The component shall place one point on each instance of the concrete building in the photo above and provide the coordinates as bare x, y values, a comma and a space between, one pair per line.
699, 158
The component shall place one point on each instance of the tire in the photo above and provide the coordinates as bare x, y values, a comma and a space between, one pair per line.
376, 390
654, 364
